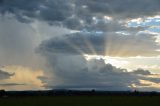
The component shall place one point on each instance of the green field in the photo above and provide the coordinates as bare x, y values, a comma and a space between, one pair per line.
81, 101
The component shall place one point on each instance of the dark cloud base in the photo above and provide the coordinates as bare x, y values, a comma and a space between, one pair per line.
74, 72
11, 84
5, 75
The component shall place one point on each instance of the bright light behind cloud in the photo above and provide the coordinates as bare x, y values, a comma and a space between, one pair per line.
131, 63
109, 60
107, 44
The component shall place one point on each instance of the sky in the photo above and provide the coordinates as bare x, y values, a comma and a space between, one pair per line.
80, 44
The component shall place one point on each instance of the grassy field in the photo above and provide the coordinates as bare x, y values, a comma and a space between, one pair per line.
81, 101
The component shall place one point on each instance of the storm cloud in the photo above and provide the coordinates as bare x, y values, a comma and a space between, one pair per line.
75, 72
40, 9
80, 14
5, 75
62, 9
69, 29
111, 44
123, 8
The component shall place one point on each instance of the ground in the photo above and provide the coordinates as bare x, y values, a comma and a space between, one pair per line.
81, 101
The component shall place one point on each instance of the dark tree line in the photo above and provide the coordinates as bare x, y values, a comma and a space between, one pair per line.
4, 93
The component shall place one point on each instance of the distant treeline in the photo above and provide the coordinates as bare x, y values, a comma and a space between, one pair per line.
4, 93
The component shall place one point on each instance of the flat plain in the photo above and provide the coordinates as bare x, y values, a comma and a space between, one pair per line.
81, 101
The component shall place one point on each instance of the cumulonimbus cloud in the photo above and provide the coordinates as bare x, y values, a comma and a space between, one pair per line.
75, 72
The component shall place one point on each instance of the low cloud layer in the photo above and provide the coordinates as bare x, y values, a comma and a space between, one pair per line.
20, 78
11, 84
5, 75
